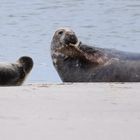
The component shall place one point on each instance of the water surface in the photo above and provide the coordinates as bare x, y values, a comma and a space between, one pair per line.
27, 28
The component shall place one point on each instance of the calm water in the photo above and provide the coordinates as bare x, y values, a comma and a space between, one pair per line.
26, 28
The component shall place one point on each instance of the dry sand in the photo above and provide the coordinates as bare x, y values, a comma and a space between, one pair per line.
98, 111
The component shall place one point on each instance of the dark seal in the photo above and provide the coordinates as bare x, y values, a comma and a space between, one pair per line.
77, 62
14, 74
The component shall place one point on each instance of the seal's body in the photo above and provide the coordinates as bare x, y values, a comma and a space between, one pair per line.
76, 62
14, 74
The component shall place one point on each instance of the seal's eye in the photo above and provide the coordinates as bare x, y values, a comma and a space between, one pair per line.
60, 32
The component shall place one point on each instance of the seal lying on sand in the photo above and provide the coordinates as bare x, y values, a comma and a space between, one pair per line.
76, 62
13, 74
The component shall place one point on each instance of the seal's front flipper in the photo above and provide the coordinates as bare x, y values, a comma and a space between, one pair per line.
91, 54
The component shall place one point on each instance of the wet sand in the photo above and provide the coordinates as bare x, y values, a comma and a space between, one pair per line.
98, 111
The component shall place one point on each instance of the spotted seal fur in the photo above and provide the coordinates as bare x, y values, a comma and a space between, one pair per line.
78, 62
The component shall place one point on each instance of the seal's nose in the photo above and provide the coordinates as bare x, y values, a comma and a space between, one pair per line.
70, 38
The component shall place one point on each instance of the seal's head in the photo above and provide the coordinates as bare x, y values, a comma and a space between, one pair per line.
26, 62
63, 41
65, 37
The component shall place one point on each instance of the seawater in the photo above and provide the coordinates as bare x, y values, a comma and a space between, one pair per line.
27, 27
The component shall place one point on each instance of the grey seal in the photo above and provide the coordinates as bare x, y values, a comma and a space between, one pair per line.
78, 62
14, 74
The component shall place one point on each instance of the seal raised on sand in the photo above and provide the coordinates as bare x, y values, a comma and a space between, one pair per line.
77, 62
14, 74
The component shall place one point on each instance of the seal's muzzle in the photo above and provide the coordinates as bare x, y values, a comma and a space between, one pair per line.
70, 39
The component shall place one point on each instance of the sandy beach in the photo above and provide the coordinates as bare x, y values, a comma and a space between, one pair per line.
99, 111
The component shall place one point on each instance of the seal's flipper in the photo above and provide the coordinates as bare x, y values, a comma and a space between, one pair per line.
92, 54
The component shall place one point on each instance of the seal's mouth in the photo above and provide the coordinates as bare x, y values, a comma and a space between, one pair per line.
75, 45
